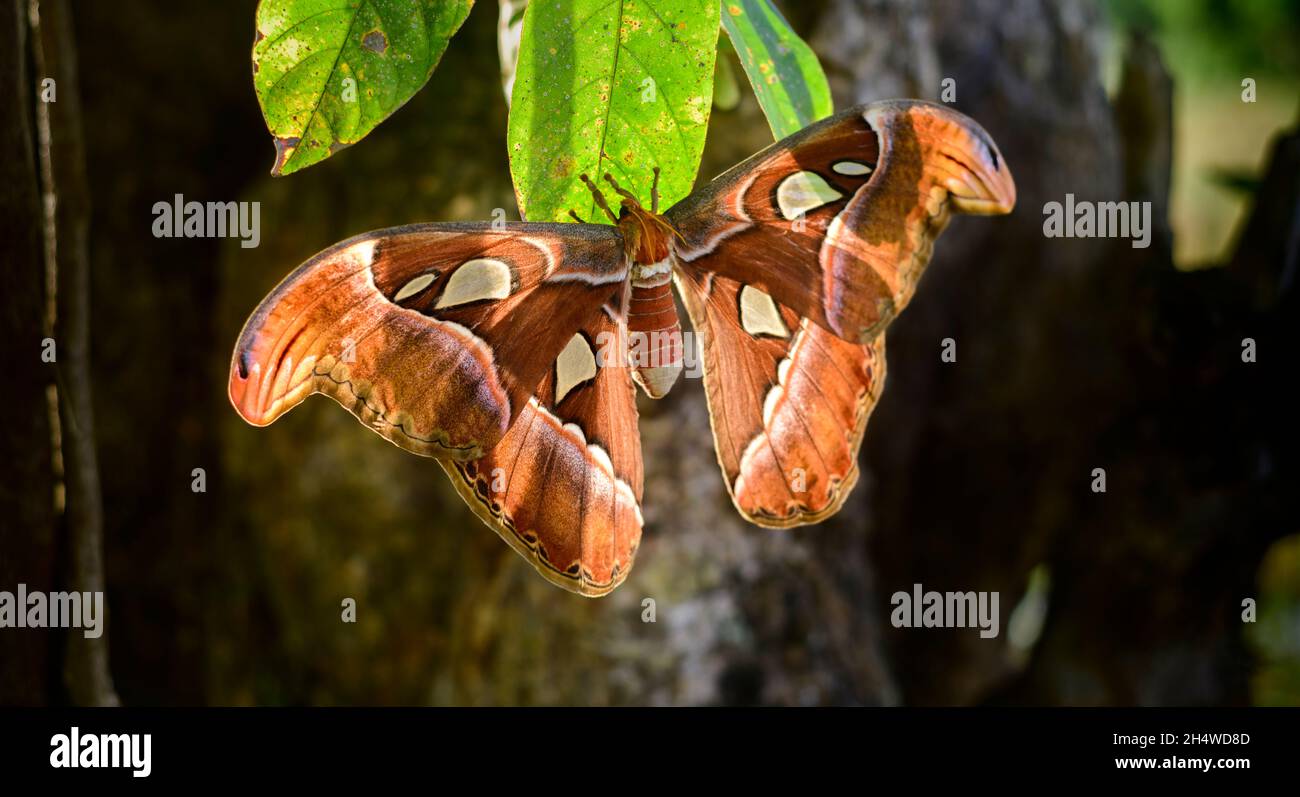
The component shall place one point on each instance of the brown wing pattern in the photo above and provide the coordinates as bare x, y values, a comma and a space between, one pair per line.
563, 487
837, 221
788, 401
435, 335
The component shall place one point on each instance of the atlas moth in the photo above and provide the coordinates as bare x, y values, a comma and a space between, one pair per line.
477, 343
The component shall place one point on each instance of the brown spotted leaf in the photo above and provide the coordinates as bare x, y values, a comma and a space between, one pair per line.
327, 72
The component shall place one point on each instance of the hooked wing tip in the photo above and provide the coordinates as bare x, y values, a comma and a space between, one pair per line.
259, 385
986, 188
995, 195
246, 387
978, 179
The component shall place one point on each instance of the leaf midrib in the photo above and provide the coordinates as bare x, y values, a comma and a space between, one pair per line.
609, 106
356, 12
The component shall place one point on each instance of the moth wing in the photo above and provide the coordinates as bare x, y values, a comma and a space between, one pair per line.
564, 486
788, 401
435, 335
837, 222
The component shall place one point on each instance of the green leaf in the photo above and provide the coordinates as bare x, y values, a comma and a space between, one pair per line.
327, 72
617, 86
787, 78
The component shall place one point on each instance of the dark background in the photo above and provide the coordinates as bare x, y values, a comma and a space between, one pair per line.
1072, 355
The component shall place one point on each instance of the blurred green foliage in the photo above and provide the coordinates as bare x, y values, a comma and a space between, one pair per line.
1275, 636
1219, 37
787, 77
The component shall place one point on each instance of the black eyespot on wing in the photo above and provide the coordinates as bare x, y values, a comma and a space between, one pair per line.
990, 151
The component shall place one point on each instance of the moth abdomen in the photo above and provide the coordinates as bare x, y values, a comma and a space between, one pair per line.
654, 333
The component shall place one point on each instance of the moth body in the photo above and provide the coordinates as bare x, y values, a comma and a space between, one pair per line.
654, 333
654, 341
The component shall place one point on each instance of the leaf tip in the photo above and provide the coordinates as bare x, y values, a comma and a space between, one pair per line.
284, 149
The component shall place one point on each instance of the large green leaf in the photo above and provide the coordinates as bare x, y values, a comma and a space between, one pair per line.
617, 86
786, 76
328, 71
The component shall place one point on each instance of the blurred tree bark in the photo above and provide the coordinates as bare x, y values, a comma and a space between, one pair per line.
1073, 355
85, 664
974, 468
166, 91
47, 198
27, 516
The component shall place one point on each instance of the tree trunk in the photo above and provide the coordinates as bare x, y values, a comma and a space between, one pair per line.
27, 493
67, 219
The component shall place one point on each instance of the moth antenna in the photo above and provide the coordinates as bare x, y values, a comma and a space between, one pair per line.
599, 197
654, 193
576, 217
609, 178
